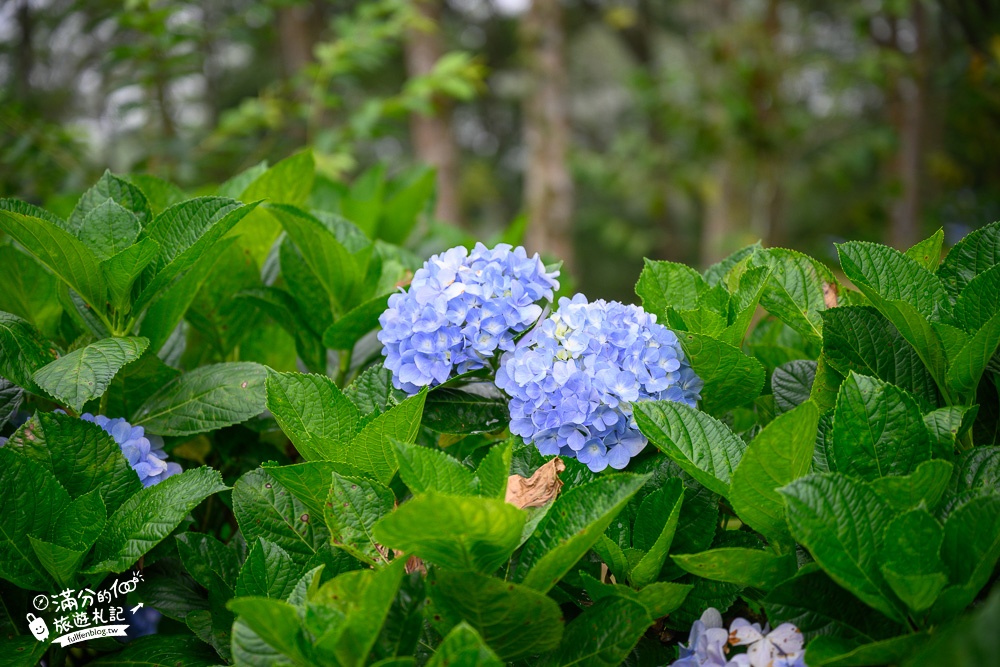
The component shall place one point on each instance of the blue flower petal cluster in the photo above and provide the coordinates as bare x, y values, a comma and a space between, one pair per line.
572, 380
460, 309
144, 452
711, 645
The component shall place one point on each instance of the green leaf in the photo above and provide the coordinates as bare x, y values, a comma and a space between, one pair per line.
840, 652
184, 233
264, 509
926, 484
309, 482
659, 598
574, 523
348, 329
701, 445
970, 551
744, 304
494, 470
353, 508
60, 562
161, 650
61, 252
108, 229
11, 397
892, 276
456, 533
911, 558
971, 642
135, 383
30, 291
667, 285
654, 531
267, 572
288, 182
143, 520
463, 412
283, 309
791, 383
967, 367
74, 531
210, 562
463, 647
207, 398
718, 271
24, 208
304, 287
277, 623
81, 455
339, 271
313, 412
731, 378
514, 621
979, 468
603, 635
402, 210
878, 430
796, 290
168, 307
159, 193
744, 567
121, 271
927, 253
977, 303
781, 453
841, 522
817, 606
116, 189
372, 391
945, 425
425, 469
973, 255
373, 450
86, 373
30, 502
22, 351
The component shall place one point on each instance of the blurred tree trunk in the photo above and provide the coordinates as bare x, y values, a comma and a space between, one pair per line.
433, 141
908, 112
548, 185
298, 30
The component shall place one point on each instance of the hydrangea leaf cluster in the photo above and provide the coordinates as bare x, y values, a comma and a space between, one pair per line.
144, 452
460, 309
711, 645
573, 379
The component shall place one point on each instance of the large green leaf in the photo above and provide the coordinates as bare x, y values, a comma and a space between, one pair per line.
967, 367
267, 572
108, 229
973, 255
185, 232
135, 383
80, 454
927, 253
977, 303
63, 254
309, 482
926, 484
30, 502
746, 567
313, 412
373, 449
143, 520
841, 521
205, 399
893, 276
971, 642
796, 291
403, 208
514, 621
277, 624
731, 377
842, 652
463, 647
701, 445
970, 552
22, 351
425, 469
287, 182
911, 558
878, 430
457, 533
603, 635
86, 373
161, 650
792, 382
354, 506
859, 339
574, 523
372, 391
654, 531
463, 412
780, 454
116, 189
281, 307
666, 285
122, 270
30, 291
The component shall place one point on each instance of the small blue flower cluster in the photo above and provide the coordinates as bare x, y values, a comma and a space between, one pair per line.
573, 379
144, 452
459, 310
711, 645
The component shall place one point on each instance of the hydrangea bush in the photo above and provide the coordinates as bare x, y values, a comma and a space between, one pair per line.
760, 464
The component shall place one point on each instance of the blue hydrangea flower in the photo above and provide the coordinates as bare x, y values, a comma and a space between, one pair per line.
144, 452
572, 380
711, 645
460, 309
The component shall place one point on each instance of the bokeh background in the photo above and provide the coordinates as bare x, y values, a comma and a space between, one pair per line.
602, 131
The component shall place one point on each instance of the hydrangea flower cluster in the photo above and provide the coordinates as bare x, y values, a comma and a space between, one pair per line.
710, 644
144, 452
461, 307
572, 380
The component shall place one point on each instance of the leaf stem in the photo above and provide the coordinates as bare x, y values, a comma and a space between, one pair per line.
344, 367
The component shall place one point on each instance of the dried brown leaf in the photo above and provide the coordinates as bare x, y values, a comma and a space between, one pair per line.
537, 490
830, 295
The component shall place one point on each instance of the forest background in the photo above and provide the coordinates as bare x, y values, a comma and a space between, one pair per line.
602, 131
